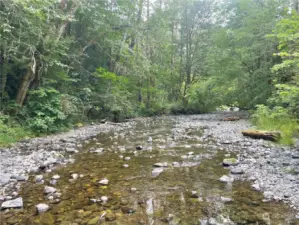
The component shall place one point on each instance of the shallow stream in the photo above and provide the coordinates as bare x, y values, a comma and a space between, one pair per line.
186, 192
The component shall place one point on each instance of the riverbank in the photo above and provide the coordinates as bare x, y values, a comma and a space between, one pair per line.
198, 142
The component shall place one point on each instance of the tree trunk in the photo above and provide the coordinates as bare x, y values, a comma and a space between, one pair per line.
24, 87
261, 134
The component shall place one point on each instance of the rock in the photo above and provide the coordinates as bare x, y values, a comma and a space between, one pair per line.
110, 216
20, 178
157, 171
268, 194
49, 190
190, 153
230, 162
226, 179
14, 203
71, 150
225, 200
38, 178
295, 155
236, 171
99, 150
133, 189
104, 199
75, 176
41, 208
127, 158
194, 194
94, 221
176, 164
165, 164
56, 177
150, 139
127, 210
104, 182
139, 147
125, 165
15, 194
53, 182
256, 187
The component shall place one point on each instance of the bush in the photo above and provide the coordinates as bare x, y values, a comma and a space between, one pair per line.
10, 134
44, 112
277, 118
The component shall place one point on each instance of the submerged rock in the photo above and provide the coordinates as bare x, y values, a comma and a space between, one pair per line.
14, 203
236, 171
49, 190
104, 182
41, 208
157, 171
226, 179
165, 164
230, 162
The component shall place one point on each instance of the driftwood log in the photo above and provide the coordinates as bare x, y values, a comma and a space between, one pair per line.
233, 118
262, 134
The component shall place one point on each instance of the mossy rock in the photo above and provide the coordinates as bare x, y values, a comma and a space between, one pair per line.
230, 162
45, 219
94, 221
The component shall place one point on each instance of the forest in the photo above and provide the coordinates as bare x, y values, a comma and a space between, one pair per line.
65, 63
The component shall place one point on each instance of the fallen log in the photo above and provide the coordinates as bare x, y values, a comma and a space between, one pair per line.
262, 134
233, 118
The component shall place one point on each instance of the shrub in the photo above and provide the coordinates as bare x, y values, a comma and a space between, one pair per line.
277, 118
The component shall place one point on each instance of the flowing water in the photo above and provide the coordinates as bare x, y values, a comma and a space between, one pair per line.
135, 196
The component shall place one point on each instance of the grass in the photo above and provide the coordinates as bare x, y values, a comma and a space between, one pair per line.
274, 121
10, 135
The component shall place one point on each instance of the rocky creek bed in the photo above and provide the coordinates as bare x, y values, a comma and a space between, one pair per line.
168, 170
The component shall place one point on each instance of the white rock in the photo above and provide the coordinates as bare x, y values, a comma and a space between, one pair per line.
41, 208
150, 139
127, 158
104, 199
125, 165
165, 164
14, 203
75, 176
38, 178
226, 179
104, 181
157, 171
133, 189
190, 153
56, 177
49, 190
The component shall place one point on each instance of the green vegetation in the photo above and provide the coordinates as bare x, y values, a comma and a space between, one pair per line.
85, 60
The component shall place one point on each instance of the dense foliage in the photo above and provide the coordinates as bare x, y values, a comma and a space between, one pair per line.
69, 61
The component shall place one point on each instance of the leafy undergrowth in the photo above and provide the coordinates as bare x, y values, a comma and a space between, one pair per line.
278, 119
12, 134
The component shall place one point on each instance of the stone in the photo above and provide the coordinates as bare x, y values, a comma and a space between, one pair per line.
295, 155
230, 162
104, 182
157, 171
133, 189
14, 203
41, 208
38, 178
256, 187
125, 165
56, 177
176, 164
127, 158
20, 178
190, 153
127, 210
194, 194
225, 200
150, 139
139, 147
49, 190
75, 176
226, 179
94, 221
104, 199
165, 164
236, 171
